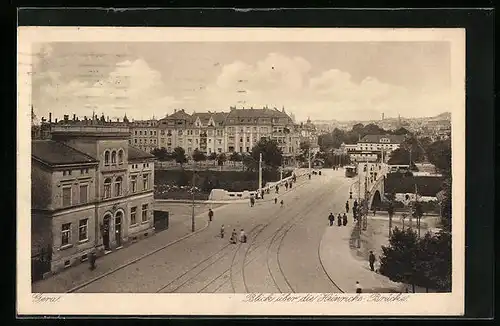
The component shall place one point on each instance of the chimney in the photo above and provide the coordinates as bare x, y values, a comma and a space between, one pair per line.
74, 117
66, 117
50, 116
56, 120
85, 118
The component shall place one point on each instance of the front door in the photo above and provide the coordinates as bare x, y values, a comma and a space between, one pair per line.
118, 232
105, 233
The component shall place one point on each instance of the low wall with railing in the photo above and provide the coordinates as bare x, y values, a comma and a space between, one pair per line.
221, 194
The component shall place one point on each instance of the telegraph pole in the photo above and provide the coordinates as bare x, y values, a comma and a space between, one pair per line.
260, 174
309, 155
192, 202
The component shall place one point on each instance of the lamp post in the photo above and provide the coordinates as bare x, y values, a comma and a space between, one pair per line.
260, 173
309, 158
192, 202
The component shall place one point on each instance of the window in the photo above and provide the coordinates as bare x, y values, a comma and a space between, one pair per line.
113, 157
133, 215
135, 141
120, 156
145, 212
84, 193
145, 182
82, 230
66, 193
136, 132
65, 234
107, 188
106, 158
133, 183
118, 186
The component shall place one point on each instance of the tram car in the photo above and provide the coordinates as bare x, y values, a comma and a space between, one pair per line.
350, 171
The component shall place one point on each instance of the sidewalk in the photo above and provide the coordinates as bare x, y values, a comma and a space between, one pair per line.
344, 269
179, 228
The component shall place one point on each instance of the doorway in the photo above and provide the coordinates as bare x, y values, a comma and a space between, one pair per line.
118, 229
105, 232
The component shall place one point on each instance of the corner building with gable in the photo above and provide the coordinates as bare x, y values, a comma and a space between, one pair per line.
91, 191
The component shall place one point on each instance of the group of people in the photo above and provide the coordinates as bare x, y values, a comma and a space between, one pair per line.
341, 219
234, 237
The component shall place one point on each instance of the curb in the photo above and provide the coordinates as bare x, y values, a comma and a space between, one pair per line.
136, 259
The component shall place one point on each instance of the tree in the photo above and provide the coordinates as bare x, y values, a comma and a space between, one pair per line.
221, 158
250, 163
401, 131
179, 155
198, 155
161, 154
439, 154
235, 157
434, 261
305, 146
271, 153
212, 156
446, 205
399, 156
399, 260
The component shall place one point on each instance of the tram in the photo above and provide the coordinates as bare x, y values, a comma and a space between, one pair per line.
350, 171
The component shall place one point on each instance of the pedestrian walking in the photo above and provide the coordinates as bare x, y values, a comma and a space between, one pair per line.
290, 185
358, 287
233, 237
243, 237
374, 211
347, 206
344, 220
252, 201
222, 231
275, 200
331, 218
277, 189
262, 194
286, 185
92, 260
355, 205
210, 214
339, 220
371, 260
281, 203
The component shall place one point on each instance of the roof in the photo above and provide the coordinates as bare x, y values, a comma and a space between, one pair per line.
179, 115
53, 153
137, 154
218, 117
393, 139
246, 115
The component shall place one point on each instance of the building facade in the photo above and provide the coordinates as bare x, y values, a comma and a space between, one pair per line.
373, 148
91, 191
209, 132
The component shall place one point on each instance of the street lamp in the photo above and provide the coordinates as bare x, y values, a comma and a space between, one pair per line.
260, 173
192, 202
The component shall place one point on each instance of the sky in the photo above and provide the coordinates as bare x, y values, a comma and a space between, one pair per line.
323, 81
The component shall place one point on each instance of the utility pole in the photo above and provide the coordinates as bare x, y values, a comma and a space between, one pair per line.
281, 170
192, 192
309, 155
260, 174
417, 210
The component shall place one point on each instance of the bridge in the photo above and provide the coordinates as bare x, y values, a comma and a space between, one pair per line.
373, 177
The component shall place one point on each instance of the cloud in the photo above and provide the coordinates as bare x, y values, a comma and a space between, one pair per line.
133, 88
279, 80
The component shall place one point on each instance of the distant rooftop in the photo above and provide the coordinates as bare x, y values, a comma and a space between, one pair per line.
56, 153
137, 154
391, 139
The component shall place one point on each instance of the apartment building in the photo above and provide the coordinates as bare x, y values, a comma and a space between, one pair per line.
91, 190
144, 134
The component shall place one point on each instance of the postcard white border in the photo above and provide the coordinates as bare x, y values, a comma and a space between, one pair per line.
226, 304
